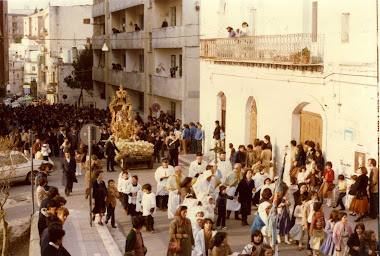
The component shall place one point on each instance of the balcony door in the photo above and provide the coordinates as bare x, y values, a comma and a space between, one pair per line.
223, 110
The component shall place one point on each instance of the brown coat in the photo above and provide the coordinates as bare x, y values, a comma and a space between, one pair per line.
176, 231
112, 195
374, 180
250, 158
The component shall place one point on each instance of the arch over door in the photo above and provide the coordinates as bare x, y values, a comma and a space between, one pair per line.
253, 122
311, 128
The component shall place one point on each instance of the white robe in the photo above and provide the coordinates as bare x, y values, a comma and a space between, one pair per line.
232, 205
161, 184
148, 202
259, 180
196, 168
225, 168
133, 189
174, 197
121, 185
200, 247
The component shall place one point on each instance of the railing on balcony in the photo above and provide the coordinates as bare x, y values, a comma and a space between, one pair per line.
302, 49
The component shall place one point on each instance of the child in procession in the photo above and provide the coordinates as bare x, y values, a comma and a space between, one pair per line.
112, 195
328, 246
148, 205
133, 192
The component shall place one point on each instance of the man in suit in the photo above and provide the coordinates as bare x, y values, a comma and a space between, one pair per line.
68, 166
373, 188
216, 134
55, 245
110, 153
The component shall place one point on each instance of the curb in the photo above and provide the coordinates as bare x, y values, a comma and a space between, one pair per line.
108, 241
34, 246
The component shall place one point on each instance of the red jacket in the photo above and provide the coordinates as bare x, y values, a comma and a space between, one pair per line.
329, 175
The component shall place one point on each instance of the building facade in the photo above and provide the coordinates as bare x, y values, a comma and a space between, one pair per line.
4, 61
307, 73
59, 43
15, 27
158, 62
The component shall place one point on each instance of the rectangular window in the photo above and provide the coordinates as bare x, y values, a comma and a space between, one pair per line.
141, 68
173, 16
86, 21
141, 21
124, 60
150, 4
180, 65
33, 68
173, 65
141, 101
150, 42
314, 22
345, 35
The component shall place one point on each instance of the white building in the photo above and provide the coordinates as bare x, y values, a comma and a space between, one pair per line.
147, 56
270, 84
62, 31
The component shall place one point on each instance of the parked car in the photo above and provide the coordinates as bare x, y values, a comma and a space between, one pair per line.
22, 166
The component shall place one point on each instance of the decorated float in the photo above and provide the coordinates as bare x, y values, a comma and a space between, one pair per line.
132, 150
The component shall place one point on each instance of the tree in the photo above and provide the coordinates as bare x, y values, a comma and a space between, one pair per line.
81, 77
7, 170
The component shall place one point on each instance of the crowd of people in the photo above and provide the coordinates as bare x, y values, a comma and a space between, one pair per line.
204, 200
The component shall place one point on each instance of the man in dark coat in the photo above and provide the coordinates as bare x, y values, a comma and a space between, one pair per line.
110, 153
68, 166
216, 134
55, 245
239, 156
173, 145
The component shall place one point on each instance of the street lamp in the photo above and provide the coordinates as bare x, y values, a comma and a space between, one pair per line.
105, 47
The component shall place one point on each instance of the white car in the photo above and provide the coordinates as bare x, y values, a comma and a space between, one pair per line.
22, 167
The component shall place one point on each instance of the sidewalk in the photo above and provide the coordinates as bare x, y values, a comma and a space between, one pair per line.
80, 239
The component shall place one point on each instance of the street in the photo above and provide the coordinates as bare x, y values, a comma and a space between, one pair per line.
156, 243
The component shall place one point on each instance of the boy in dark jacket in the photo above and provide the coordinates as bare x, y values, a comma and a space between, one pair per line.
221, 203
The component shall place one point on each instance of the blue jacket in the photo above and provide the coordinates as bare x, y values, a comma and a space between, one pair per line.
199, 135
186, 134
193, 131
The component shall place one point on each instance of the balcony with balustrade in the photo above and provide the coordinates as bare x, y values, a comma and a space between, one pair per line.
98, 74
293, 51
99, 8
127, 40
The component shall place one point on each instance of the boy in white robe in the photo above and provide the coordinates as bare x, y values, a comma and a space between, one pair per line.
148, 204
132, 192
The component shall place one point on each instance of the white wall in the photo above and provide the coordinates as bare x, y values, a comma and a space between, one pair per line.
276, 101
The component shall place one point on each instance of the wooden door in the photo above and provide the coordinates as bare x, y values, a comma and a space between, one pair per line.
224, 107
311, 128
253, 123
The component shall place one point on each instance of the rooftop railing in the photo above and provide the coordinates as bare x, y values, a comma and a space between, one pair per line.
292, 49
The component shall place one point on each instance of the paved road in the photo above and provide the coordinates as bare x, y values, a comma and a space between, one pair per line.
157, 242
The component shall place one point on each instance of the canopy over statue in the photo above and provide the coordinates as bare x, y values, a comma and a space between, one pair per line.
123, 126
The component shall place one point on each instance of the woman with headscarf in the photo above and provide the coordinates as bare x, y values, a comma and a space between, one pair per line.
180, 229
244, 190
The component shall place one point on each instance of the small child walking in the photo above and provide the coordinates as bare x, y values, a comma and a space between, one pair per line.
342, 188
112, 195
221, 204
148, 204
316, 228
328, 246
327, 186
78, 160
297, 231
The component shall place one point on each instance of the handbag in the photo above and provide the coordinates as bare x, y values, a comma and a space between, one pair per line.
175, 246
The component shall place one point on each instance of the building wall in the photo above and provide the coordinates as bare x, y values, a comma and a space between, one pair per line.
16, 26
16, 77
279, 103
337, 92
156, 44
4, 61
